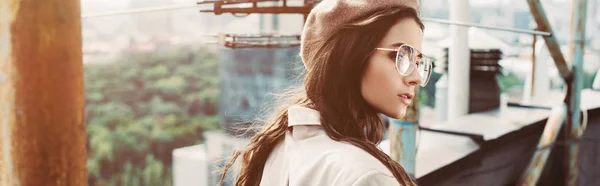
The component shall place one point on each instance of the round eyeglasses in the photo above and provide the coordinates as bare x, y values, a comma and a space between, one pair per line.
408, 59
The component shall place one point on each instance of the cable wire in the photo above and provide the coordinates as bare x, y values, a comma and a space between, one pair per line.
138, 10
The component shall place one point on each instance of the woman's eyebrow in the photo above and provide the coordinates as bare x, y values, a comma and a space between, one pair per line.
398, 44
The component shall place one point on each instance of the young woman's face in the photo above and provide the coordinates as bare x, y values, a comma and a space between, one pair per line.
382, 86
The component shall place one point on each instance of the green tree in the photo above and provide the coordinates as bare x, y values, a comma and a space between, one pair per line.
142, 106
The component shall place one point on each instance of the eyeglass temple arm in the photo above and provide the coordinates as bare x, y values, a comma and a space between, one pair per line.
388, 49
396, 50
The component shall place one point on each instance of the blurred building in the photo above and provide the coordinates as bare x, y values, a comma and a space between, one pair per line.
202, 165
250, 78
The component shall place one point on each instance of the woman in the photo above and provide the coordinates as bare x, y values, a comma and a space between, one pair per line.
362, 59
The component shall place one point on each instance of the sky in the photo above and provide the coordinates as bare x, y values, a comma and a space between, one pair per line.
95, 6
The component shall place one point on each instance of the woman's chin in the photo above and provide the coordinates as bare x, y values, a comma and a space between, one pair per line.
397, 114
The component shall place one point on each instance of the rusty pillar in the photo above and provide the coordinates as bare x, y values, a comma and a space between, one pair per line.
42, 128
534, 170
574, 86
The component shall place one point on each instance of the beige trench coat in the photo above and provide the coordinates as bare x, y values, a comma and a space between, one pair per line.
308, 157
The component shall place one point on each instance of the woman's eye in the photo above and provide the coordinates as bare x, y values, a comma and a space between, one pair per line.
392, 55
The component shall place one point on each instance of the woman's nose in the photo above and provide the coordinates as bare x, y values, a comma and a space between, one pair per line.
414, 78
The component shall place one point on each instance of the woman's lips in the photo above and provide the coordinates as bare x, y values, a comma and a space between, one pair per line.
406, 98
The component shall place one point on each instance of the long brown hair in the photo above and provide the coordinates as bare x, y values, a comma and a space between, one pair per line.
332, 87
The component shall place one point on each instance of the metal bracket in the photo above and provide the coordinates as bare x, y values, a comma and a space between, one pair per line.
274, 9
257, 40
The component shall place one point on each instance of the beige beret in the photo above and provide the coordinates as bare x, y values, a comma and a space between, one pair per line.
327, 17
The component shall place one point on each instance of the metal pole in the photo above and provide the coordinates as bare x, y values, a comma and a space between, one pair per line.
538, 161
403, 137
533, 64
538, 85
42, 130
577, 45
538, 13
459, 63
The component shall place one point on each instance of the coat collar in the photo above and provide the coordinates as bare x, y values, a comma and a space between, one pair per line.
300, 115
